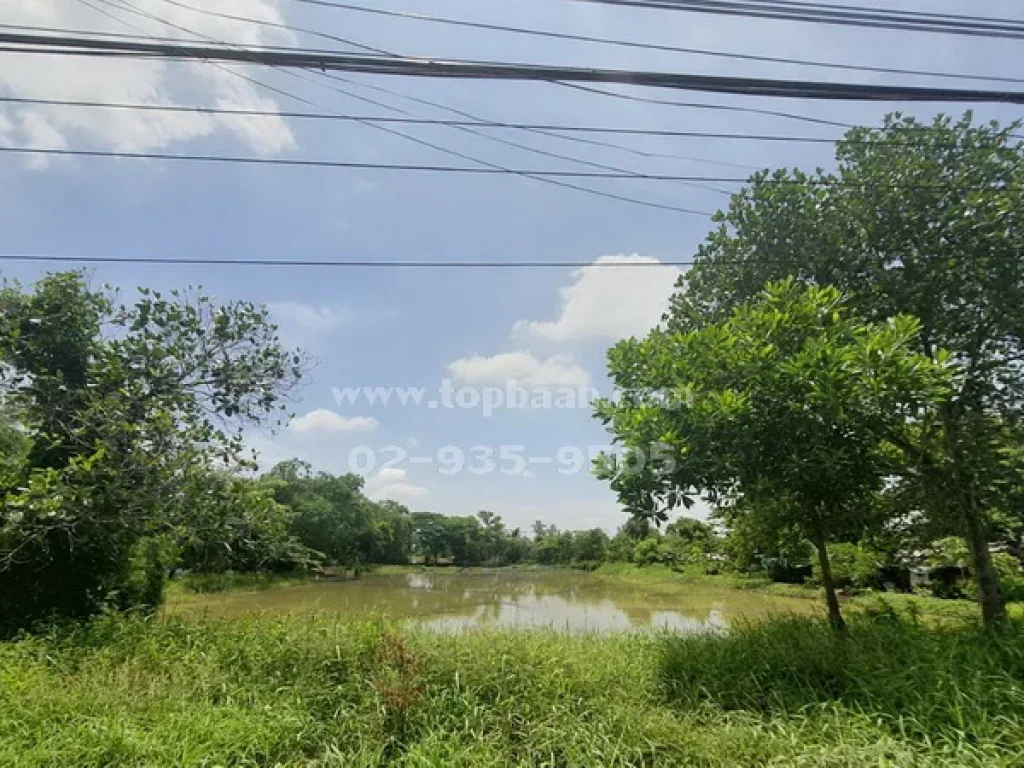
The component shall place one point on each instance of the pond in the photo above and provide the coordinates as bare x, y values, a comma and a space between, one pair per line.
452, 600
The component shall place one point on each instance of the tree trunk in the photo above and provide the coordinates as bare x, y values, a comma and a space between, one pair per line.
835, 618
990, 593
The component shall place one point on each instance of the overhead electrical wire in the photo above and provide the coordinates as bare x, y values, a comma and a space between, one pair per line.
278, 25
476, 119
427, 168
749, 86
250, 262
534, 32
869, 18
367, 263
463, 113
484, 169
690, 105
713, 107
462, 155
550, 129
471, 130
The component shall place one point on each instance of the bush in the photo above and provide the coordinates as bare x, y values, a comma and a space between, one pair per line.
1010, 577
853, 565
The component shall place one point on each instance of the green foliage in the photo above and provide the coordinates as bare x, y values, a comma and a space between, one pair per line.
1010, 575
950, 552
918, 220
853, 565
122, 411
791, 406
646, 552
239, 526
331, 516
581, 549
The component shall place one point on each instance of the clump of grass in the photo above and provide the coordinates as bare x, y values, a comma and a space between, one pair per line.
954, 685
319, 691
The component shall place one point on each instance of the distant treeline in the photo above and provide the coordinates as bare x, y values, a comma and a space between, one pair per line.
320, 520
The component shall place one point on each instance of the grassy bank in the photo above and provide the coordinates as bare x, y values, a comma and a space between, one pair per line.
320, 691
182, 587
662, 578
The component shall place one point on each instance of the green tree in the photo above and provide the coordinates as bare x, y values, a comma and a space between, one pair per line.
125, 409
238, 526
791, 404
13, 445
393, 533
590, 546
331, 515
921, 220
430, 539
465, 539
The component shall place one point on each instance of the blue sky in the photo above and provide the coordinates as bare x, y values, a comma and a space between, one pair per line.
412, 328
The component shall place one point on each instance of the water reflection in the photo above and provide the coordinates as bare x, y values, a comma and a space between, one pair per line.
449, 600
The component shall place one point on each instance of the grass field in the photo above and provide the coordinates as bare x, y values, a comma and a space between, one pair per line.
323, 691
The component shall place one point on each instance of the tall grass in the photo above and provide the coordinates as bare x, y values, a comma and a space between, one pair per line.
952, 687
324, 691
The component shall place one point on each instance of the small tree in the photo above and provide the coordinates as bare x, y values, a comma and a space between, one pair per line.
791, 405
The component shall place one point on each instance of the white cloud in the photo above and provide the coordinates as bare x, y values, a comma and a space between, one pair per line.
324, 421
608, 302
309, 317
520, 367
40, 133
392, 483
140, 81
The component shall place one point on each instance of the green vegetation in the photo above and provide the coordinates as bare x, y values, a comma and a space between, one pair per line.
210, 583
839, 376
842, 364
829, 392
119, 420
326, 692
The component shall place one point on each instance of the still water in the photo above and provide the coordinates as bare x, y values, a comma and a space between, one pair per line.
450, 600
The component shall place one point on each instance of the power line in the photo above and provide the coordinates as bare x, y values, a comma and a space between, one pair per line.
361, 264
431, 145
469, 127
276, 25
713, 107
299, 162
480, 171
365, 263
482, 121
549, 129
911, 21
488, 137
644, 46
67, 45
